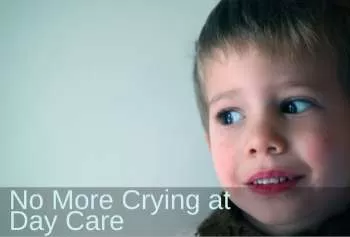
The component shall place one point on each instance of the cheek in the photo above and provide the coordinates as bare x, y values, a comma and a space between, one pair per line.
315, 148
224, 155
312, 141
325, 158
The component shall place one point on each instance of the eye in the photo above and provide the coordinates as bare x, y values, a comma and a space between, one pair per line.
295, 106
228, 117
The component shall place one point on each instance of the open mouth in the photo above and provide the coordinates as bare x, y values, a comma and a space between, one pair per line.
275, 180
272, 182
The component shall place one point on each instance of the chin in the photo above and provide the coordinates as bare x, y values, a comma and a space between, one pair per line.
274, 215
278, 211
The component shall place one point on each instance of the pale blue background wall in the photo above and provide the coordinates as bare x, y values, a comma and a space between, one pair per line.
99, 93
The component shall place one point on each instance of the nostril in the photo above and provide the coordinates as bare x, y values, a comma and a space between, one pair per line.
269, 150
272, 149
271, 145
253, 151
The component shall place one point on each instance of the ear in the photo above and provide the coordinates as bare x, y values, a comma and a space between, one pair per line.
207, 139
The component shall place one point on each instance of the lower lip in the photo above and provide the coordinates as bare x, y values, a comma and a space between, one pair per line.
269, 189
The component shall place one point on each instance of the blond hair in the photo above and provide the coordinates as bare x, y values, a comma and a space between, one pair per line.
284, 28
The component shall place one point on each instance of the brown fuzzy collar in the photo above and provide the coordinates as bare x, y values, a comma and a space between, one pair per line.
232, 223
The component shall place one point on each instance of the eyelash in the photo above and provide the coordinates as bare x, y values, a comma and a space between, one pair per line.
221, 116
226, 116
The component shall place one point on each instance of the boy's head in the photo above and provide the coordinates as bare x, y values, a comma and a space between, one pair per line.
272, 84
288, 28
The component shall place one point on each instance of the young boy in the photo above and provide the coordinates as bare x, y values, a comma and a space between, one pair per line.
272, 83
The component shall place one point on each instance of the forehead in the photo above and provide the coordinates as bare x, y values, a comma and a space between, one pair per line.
232, 69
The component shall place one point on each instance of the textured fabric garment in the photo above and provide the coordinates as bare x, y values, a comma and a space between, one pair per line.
232, 223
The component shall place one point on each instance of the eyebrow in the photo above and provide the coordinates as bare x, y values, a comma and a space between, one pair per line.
298, 84
235, 92
226, 94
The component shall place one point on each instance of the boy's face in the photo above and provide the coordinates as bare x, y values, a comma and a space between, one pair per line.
281, 119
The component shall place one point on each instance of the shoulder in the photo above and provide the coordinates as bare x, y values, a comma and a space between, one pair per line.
219, 222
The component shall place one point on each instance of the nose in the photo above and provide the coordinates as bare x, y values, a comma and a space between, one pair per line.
265, 140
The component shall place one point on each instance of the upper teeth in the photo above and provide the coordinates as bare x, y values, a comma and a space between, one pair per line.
274, 180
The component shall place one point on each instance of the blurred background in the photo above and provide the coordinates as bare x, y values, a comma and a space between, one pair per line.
99, 93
